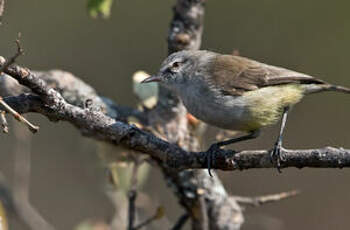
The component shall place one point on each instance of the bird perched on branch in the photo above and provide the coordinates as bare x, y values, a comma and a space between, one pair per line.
237, 93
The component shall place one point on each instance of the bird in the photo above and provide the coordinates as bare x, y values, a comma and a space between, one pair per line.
237, 93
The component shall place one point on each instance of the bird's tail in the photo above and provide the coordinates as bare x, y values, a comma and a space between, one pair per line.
316, 88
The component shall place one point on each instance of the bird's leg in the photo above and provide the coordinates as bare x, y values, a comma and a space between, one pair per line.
276, 153
215, 147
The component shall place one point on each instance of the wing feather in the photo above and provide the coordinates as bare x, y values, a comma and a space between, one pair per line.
236, 75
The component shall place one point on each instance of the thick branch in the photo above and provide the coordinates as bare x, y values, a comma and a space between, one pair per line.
99, 126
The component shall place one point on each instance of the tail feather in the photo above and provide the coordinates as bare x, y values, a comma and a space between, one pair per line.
340, 89
316, 88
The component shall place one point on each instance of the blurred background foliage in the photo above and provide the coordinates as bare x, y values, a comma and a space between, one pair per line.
99, 8
68, 179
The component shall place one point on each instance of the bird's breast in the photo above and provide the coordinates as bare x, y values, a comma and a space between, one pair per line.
212, 107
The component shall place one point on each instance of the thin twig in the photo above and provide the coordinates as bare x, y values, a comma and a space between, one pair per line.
12, 60
3, 122
260, 200
17, 116
159, 214
132, 194
181, 222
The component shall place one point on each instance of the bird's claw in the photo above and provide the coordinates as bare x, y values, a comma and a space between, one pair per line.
210, 155
277, 156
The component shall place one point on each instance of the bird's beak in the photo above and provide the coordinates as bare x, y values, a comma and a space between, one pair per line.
153, 78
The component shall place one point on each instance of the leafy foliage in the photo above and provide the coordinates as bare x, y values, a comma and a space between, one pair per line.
99, 8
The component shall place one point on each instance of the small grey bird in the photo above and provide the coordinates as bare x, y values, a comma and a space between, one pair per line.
237, 93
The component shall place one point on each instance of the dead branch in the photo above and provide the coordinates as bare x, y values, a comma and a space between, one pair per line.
260, 200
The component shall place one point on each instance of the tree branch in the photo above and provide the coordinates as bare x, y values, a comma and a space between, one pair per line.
99, 126
260, 200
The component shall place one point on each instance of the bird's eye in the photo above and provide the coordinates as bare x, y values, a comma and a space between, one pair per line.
175, 64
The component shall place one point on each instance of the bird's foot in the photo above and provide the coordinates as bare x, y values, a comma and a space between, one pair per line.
213, 149
277, 155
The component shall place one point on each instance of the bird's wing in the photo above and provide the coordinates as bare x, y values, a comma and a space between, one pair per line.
236, 75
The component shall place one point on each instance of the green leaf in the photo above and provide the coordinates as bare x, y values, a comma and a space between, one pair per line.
98, 8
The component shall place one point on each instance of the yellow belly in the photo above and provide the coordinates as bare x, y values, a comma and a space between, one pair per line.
265, 106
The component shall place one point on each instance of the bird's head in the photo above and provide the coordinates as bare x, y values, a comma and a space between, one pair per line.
179, 67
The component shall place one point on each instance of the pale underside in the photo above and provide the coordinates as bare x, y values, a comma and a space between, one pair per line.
251, 111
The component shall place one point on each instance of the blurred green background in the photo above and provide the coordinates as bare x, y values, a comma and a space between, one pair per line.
67, 181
